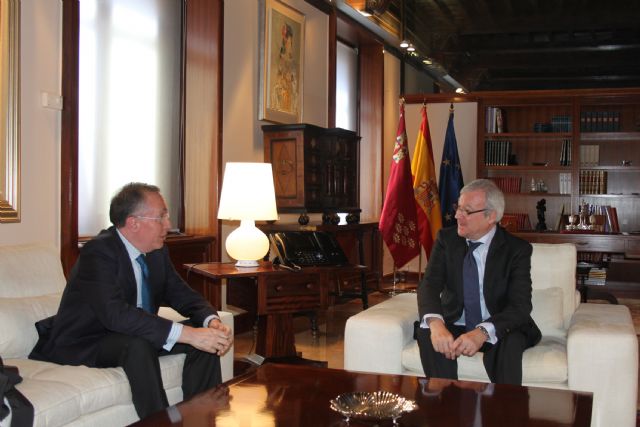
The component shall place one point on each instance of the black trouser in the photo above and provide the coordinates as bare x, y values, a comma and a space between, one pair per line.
140, 361
502, 361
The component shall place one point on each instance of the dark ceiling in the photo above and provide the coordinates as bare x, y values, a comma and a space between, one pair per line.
527, 44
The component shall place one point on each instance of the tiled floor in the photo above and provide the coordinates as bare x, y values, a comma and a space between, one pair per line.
328, 345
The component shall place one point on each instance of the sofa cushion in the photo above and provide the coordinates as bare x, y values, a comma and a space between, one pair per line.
545, 362
547, 311
62, 393
30, 270
18, 317
555, 265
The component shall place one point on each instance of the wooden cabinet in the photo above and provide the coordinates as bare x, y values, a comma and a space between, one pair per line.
314, 169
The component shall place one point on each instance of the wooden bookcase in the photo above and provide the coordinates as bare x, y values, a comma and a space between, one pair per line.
591, 136
536, 128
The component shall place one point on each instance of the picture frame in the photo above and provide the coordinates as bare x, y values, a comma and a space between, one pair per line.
282, 63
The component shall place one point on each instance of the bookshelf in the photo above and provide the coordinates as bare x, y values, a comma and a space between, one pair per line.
570, 148
528, 152
567, 147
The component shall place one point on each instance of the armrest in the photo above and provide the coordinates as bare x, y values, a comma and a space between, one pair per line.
602, 353
374, 339
226, 361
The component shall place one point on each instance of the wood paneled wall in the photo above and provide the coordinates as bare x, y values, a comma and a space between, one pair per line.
203, 117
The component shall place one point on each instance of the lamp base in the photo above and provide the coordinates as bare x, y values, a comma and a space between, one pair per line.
246, 263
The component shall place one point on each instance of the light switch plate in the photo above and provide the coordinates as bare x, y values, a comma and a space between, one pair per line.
51, 100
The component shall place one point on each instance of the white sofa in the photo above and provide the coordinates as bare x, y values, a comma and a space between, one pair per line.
585, 347
31, 284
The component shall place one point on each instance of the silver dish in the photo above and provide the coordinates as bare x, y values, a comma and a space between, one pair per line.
377, 405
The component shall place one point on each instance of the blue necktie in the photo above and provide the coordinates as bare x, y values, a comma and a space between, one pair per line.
471, 285
145, 294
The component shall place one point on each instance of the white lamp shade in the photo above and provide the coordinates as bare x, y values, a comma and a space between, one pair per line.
248, 192
247, 195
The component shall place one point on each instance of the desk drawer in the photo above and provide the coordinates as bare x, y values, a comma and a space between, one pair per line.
290, 293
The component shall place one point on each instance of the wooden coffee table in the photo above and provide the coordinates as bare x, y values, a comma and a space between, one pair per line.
294, 395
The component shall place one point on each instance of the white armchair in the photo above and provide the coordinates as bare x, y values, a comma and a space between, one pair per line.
584, 347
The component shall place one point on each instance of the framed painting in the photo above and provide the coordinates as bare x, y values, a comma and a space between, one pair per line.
282, 60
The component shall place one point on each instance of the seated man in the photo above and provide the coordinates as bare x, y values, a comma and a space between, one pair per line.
476, 292
108, 313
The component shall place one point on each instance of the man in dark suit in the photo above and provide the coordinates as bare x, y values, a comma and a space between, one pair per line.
108, 313
476, 292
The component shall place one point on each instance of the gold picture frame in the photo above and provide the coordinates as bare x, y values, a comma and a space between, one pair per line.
282, 63
10, 111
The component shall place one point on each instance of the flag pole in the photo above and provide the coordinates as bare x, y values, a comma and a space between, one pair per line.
393, 292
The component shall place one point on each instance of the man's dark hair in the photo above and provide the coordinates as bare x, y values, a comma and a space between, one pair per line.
129, 200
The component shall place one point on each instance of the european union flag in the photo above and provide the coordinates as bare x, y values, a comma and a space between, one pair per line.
450, 175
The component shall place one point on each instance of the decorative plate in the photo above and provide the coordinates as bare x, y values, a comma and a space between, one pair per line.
378, 405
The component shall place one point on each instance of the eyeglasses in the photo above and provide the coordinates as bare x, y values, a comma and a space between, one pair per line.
159, 219
466, 212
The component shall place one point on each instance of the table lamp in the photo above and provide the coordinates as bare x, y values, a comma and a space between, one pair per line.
247, 195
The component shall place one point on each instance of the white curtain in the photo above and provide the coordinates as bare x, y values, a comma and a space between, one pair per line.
346, 87
129, 104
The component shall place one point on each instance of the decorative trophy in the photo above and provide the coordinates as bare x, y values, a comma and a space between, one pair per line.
582, 218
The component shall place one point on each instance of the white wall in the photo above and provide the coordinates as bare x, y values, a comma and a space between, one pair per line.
40, 51
242, 132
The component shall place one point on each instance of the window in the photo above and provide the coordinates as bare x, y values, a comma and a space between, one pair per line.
129, 103
346, 87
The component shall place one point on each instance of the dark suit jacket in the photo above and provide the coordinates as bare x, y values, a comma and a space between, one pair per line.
100, 298
507, 282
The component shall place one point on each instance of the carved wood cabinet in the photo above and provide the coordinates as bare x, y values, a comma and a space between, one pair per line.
315, 169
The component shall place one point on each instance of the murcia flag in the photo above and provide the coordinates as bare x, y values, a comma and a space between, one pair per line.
425, 188
398, 222
450, 175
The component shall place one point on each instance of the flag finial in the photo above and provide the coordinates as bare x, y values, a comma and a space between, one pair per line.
451, 108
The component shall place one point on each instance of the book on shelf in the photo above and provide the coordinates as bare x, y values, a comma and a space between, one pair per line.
564, 179
597, 276
561, 220
516, 221
508, 184
497, 152
565, 153
494, 120
589, 155
615, 226
600, 121
561, 123
593, 182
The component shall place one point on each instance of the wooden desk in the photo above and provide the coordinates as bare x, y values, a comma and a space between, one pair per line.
280, 293
287, 395
361, 243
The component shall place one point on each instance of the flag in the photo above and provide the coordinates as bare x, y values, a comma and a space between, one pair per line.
425, 188
450, 175
398, 223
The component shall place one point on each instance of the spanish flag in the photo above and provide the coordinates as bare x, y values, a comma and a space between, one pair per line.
425, 188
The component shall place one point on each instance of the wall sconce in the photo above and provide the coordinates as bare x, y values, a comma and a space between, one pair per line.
247, 195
